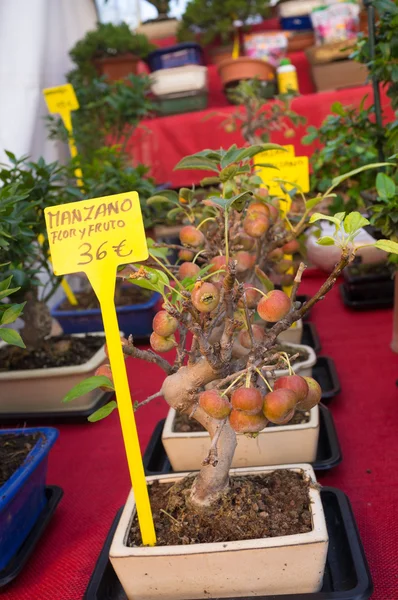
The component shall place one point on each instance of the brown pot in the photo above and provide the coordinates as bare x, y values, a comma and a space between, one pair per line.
300, 41
236, 69
220, 53
117, 67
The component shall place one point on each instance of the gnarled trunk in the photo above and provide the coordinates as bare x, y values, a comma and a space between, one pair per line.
180, 391
37, 321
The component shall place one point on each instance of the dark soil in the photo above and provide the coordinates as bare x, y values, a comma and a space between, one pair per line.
58, 351
254, 507
290, 350
183, 424
125, 296
13, 451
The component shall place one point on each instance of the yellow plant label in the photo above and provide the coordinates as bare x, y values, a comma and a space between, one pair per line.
95, 236
61, 99
264, 157
293, 171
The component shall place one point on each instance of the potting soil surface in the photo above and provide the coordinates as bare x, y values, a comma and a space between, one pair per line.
58, 351
124, 296
14, 449
183, 424
253, 507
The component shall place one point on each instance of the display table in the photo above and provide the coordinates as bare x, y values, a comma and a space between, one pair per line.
162, 142
88, 461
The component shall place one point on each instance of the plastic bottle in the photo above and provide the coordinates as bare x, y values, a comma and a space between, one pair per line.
287, 77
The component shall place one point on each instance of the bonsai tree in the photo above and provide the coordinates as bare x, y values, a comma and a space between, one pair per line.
257, 120
108, 111
223, 375
214, 19
107, 40
28, 188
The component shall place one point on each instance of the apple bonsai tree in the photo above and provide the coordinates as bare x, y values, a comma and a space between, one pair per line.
223, 375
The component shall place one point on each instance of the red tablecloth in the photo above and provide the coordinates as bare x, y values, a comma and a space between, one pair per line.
88, 460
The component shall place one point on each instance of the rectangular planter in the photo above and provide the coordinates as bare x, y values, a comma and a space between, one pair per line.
42, 390
282, 565
273, 445
293, 335
135, 320
22, 497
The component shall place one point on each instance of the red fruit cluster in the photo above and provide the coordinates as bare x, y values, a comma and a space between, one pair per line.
291, 392
188, 269
214, 404
246, 415
274, 306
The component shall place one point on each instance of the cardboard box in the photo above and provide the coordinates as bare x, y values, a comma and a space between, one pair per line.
338, 74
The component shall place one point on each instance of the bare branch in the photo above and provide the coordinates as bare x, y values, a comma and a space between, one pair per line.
297, 281
148, 356
138, 405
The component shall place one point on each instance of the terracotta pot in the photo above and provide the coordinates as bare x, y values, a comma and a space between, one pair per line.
220, 53
236, 69
117, 67
300, 41
290, 564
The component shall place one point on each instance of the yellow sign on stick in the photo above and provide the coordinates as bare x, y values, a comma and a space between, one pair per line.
62, 100
96, 236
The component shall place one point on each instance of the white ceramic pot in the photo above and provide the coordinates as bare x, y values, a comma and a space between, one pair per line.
290, 564
272, 446
304, 367
42, 390
158, 30
325, 257
189, 78
292, 335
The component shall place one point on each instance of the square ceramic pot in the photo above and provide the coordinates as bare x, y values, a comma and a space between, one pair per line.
293, 335
291, 564
273, 445
42, 390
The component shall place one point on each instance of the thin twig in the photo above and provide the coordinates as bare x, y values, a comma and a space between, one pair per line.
139, 404
147, 355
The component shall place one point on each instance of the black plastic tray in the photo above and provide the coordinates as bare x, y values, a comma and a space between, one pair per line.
347, 575
328, 453
365, 303
310, 336
61, 416
15, 566
324, 371
370, 274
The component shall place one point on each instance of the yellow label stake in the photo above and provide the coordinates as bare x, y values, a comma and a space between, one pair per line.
96, 236
62, 100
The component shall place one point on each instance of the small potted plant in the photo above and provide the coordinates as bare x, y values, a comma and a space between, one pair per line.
110, 50
215, 24
221, 520
23, 457
163, 26
32, 379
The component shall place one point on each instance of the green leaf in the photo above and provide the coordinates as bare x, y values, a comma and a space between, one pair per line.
197, 162
267, 165
4, 285
239, 201
210, 181
230, 156
102, 412
88, 385
6, 293
11, 314
385, 186
158, 199
387, 246
159, 279
215, 201
340, 216
337, 180
337, 108
10, 336
318, 216
326, 241
310, 204
158, 252
173, 213
263, 278
354, 221
250, 152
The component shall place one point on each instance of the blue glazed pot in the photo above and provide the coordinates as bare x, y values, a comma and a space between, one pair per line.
22, 497
135, 320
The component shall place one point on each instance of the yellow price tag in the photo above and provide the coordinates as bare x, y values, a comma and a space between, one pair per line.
293, 169
264, 157
96, 236
61, 99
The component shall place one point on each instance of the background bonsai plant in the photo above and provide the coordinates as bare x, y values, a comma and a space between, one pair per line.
107, 41
9, 313
214, 19
223, 373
